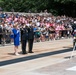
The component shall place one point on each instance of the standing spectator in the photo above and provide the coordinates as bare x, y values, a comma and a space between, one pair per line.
35, 29
16, 33
47, 34
4, 34
37, 35
11, 35
51, 33
0, 34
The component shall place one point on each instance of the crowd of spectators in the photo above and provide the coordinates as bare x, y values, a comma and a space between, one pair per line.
46, 27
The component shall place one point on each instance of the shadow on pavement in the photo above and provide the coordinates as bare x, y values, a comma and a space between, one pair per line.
31, 57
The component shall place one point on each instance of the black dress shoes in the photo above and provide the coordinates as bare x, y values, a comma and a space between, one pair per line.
24, 53
30, 52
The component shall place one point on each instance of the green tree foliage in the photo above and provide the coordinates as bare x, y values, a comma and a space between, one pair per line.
57, 7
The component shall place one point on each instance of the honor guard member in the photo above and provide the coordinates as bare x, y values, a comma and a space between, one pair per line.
74, 38
74, 33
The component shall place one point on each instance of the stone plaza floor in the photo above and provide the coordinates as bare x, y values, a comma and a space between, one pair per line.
49, 58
